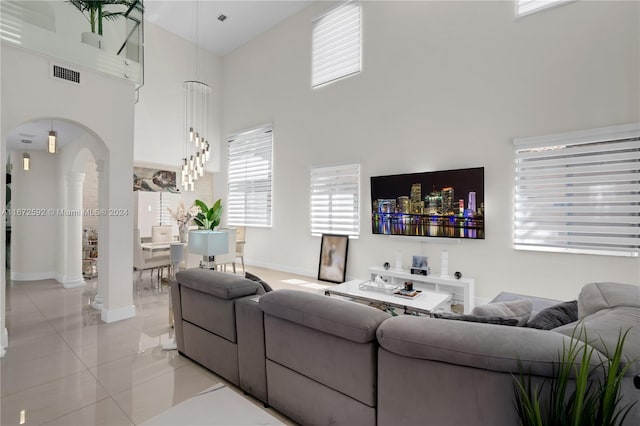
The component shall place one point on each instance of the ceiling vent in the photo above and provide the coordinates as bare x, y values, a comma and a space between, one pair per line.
65, 74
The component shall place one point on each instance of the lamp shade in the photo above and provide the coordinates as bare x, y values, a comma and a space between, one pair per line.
208, 243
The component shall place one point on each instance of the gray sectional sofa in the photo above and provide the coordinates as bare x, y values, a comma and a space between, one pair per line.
325, 361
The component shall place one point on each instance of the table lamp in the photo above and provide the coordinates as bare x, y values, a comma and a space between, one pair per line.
208, 244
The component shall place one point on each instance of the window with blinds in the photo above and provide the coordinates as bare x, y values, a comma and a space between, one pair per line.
335, 200
250, 177
579, 192
163, 216
336, 44
527, 7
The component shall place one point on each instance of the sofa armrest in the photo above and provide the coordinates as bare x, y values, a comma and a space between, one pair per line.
218, 284
341, 318
484, 346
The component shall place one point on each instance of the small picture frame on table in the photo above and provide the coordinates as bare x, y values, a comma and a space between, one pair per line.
420, 265
332, 266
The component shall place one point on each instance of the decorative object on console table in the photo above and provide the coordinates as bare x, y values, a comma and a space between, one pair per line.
420, 265
208, 244
444, 264
399, 260
333, 258
463, 289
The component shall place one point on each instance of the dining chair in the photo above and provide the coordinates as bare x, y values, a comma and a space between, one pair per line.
240, 241
143, 261
230, 256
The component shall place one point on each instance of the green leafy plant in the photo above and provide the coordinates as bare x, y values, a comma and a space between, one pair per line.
96, 11
594, 399
209, 217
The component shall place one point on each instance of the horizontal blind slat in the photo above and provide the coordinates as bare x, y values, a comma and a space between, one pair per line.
334, 199
249, 165
336, 44
582, 197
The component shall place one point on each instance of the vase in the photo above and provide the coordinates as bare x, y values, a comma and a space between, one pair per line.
183, 231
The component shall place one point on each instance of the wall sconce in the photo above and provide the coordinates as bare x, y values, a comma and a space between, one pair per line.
52, 140
26, 161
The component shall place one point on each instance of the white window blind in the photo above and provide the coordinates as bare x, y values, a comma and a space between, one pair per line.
336, 44
163, 216
250, 177
579, 192
335, 200
527, 7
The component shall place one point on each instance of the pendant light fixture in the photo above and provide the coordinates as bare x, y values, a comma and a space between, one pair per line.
26, 162
53, 136
196, 125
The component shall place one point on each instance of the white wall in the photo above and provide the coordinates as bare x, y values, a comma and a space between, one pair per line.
104, 106
34, 191
169, 61
444, 85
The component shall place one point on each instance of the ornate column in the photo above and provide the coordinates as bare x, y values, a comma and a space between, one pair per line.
73, 276
98, 300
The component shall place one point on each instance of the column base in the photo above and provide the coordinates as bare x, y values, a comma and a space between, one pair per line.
73, 282
113, 315
98, 302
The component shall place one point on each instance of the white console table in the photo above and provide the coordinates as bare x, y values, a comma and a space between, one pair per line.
462, 290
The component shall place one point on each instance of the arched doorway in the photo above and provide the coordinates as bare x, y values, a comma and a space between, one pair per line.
47, 198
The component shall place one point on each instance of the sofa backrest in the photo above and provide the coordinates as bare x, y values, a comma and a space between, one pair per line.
218, 284
340, 318
605, 311
328, 340
595, 297
208, 299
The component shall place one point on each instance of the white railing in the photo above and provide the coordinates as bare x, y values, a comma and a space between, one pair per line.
55, 28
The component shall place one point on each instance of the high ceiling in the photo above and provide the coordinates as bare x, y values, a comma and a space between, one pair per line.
245, 20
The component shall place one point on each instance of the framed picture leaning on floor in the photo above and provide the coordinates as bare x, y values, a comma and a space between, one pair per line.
333, 258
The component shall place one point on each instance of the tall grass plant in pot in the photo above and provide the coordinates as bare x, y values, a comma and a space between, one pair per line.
578, 394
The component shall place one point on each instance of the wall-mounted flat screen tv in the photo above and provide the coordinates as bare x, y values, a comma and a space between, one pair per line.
447, 204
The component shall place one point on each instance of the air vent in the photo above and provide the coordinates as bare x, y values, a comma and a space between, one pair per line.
66, 74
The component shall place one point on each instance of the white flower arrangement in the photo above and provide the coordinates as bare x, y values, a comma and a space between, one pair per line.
182, 215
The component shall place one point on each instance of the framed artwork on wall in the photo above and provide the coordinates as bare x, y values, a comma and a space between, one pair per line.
154, 180
333, 258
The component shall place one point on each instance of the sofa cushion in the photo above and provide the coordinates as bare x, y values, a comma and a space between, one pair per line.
537, 303
483, 346
518, 309
604, 327
597, 296
266, 287
555, 316
477, 318
218, 284
342, 318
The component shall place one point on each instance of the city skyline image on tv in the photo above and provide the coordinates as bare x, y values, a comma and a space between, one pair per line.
447, 204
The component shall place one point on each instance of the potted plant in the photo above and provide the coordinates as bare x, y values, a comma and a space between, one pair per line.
209, 217
592, 400
95, 12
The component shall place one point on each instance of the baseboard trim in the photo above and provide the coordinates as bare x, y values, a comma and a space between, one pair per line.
282, 268
118, 314
37, 276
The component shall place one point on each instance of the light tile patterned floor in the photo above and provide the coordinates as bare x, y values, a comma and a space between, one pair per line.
64, 366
